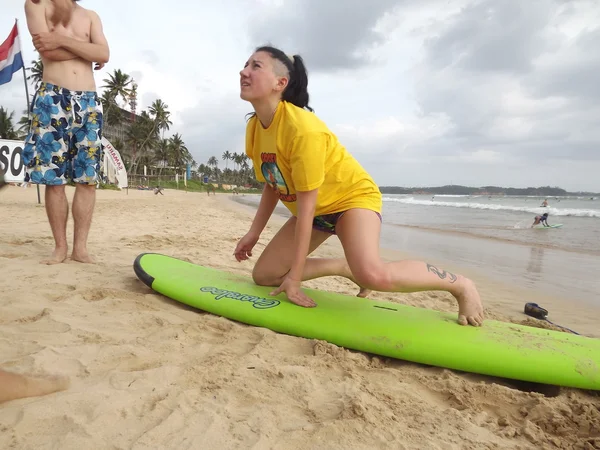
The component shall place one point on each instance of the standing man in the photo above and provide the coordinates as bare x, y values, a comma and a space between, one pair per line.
64, 141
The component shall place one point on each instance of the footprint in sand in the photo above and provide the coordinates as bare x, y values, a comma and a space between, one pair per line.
42, 323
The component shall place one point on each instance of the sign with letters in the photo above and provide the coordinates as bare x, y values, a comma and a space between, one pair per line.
11, 161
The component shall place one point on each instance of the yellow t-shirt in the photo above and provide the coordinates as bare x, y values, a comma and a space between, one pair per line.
297, 152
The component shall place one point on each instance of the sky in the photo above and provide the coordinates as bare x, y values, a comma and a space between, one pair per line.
422, 93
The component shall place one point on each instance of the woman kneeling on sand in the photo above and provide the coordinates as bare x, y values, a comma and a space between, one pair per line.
327, 191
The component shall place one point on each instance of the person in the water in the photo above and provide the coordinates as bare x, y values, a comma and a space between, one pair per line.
543, 219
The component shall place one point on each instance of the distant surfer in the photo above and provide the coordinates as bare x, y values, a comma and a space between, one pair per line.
543, 219
545, 203
328, 193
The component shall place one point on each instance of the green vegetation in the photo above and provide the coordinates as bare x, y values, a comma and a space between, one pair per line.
7, 127
106, 186
198, 186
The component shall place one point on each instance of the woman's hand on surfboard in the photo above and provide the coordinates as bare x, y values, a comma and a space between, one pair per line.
294, 293
243, 250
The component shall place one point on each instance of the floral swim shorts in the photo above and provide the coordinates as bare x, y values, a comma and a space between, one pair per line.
65, 137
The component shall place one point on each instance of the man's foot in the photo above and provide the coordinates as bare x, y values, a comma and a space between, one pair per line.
45, 386
470, 308
58, 256
14, 386
82, 256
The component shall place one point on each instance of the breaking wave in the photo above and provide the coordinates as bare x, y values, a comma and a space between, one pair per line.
495, 207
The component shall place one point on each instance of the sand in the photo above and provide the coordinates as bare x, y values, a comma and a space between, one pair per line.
146, 372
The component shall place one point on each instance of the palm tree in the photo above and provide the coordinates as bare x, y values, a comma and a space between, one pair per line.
226, 157
245, 165
107, 103
239, 159
180, 154
203, 169
136, 140
213, 161
162, 154
118, 144
161, 115
36, 72
158, 109
24, 124
7, 130
117, 85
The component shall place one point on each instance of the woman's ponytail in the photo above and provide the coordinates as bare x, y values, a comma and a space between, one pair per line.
296, 92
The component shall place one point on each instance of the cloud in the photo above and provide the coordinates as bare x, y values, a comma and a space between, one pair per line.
331, 35
214, 126
509, 79
490, 36
150, 57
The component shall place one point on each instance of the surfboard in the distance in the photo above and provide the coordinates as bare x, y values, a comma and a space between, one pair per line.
554, 225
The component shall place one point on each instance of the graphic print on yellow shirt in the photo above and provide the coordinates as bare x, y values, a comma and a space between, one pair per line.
274, 178
297, 152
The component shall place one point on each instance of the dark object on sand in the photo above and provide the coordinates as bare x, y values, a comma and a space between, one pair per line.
535, 310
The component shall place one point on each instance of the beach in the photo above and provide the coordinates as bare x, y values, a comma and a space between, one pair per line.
147, 372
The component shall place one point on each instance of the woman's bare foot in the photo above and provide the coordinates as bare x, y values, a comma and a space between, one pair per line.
14, 386
364, 292
347, 273
58, 255
470, 308
82, 256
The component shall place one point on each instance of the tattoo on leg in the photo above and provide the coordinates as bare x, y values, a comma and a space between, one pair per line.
442, 274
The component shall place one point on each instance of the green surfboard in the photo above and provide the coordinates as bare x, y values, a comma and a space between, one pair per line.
383, 328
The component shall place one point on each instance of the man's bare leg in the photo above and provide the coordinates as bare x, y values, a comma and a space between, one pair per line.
57, 209
14, 386
83, 208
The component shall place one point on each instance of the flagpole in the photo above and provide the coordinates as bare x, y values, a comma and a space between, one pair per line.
26, 90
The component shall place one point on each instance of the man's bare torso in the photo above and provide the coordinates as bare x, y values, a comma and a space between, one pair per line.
74, 74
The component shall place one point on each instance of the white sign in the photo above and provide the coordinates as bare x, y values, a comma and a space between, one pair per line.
114, 168
11, 161
113, 154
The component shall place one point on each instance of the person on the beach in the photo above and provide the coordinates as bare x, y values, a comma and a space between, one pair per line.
14, 386
64, 140
327, 191
543, 219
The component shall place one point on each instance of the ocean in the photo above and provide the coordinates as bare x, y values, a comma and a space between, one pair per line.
492, 235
